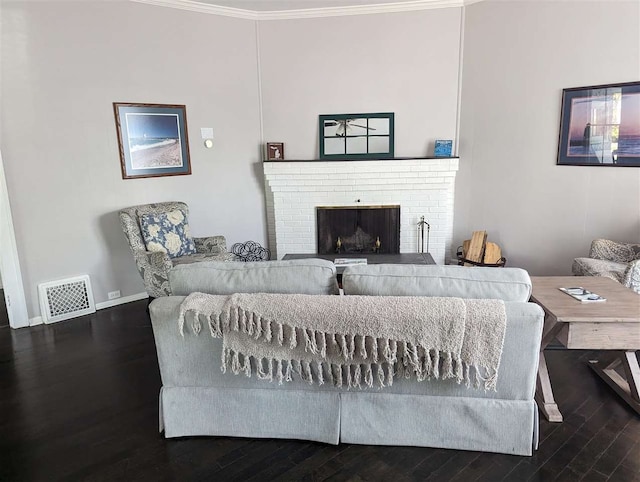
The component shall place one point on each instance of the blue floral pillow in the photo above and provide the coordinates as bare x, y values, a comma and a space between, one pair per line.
167, 232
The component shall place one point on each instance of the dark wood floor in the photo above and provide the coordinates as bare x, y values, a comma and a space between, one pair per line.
78, 401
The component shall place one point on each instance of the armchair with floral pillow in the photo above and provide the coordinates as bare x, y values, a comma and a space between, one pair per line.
159, 237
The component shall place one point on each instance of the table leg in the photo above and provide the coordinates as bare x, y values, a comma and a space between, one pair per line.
544, 392
629, 388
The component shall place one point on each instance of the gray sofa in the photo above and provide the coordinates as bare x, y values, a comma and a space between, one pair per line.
198, 399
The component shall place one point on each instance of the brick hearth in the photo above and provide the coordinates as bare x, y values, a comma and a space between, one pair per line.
422, 187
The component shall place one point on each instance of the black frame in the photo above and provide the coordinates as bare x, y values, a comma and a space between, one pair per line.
367, 155
595, 121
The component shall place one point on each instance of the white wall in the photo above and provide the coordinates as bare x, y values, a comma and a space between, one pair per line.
518, 56
405, 63
63, 64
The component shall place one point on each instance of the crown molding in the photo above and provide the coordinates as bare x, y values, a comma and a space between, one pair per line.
200, 7
359, 9
392, 7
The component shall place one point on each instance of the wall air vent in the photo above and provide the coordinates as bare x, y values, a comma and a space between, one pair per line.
66, 298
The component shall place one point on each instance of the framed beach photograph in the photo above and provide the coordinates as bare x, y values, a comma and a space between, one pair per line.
152, 139
600, 126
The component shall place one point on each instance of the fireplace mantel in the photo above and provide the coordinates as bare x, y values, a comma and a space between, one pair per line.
362, 160
421, 186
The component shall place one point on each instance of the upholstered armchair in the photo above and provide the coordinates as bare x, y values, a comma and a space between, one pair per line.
142, 228
618, 261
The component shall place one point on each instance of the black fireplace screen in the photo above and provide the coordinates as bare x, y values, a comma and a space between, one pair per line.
366, 229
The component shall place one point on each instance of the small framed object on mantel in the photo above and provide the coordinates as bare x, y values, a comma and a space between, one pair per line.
274, 151
443, 148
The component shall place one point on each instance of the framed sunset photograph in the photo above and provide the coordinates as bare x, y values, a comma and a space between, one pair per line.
152, 140
600, 126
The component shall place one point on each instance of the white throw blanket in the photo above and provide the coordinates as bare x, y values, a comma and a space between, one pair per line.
353, 340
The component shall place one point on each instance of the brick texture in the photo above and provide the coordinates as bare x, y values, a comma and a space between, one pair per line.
422, 187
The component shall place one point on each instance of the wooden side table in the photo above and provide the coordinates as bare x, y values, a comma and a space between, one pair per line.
612, 325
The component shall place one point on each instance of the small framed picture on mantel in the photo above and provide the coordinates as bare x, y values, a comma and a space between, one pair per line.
443, 148
274, 151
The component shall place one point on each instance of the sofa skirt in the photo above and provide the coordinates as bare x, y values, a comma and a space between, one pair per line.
479, 424
257, 413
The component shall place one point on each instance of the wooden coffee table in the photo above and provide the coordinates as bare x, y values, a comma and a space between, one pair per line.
612, 325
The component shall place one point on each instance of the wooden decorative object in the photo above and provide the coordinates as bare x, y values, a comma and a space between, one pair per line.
476, 246
492, 253
489, 253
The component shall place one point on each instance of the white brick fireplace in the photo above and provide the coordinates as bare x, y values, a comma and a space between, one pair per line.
422, 187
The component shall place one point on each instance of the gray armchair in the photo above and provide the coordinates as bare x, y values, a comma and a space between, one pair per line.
155, 265
618, 261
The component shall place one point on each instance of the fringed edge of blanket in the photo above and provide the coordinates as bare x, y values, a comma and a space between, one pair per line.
389, 359
349, 376
318, 371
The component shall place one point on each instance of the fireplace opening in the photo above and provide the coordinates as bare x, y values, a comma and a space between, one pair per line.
362, 229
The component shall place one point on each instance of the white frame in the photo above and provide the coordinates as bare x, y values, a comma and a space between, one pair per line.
9, 261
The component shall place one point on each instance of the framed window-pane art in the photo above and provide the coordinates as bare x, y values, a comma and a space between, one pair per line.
356, 136
600, 126
152, 139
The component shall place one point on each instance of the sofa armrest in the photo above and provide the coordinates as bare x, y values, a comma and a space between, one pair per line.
632, 276
154, 268
211, 244
614, 251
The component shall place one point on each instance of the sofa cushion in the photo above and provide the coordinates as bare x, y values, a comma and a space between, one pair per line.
508, 284
167, 232
301, 276
199, 257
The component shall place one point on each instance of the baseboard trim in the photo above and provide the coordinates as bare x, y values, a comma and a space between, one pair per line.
36, 321
121, 301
